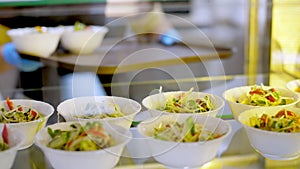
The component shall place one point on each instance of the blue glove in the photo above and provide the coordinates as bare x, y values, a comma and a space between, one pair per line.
12, 57
170, 37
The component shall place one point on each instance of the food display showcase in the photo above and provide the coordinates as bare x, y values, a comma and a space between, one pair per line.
233, 47
235, 151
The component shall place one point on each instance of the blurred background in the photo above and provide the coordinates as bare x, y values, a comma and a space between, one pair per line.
249, 42
261, 35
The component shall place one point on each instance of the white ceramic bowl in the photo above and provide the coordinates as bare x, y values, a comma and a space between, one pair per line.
153, 102
29, 41
83, 41
29, 129
233, 94
292, 85
184, 155
71, 108
7, 157
273, 145
106, 158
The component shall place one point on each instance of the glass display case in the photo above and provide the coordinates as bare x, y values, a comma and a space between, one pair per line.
235, 151
223, 44
285, 38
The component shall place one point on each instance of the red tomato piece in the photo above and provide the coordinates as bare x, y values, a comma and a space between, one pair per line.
271, 98
257, 91
33, 113
9, 103
284, 113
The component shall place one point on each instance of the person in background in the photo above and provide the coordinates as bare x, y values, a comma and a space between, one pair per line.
11, 65
155, 22
10, 55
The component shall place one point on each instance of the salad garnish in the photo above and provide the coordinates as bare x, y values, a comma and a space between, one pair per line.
4, 139
17, 114
89, 137
78, 26
91, 111
183, 132
284, 121
185, 103
259, 96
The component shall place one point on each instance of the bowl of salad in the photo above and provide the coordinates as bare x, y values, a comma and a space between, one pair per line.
243, 98
110, 109
184, 103
86, 144
294, 86
26, 116
184, 141
43, 40
10, 142
273, 132
83, 39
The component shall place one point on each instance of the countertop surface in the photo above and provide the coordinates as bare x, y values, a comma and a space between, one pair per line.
118, 56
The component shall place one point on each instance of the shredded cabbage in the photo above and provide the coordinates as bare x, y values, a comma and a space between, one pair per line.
183, 132
184, 103
91, 111
18, 114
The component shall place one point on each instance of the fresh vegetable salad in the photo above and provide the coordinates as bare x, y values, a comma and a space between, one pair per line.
258, 96
183, 132
89, 137
91, 111
184, 103
17, 114
4, 139
284, 121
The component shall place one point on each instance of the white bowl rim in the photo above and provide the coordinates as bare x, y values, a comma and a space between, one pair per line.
189, 143
52, 30
95, 28
178, 92
44, 118
292, 82
266, 131
19, 144
104, 97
